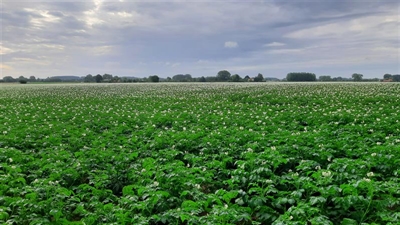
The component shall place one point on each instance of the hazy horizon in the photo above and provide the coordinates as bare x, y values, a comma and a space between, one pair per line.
123, 38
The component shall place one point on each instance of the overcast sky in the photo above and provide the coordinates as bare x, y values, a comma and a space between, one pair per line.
141, 38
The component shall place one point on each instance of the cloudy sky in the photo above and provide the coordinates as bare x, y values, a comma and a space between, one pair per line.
141, 38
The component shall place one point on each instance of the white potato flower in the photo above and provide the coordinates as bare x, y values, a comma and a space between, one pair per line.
326, 173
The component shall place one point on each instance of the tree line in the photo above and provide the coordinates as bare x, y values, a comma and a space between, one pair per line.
357, 77
222, 76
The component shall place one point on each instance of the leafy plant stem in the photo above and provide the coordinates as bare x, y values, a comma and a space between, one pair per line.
366, 211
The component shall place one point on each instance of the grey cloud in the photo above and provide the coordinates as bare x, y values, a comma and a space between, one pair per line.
56, 14
18, 24
75, 7
85, 39
18, 18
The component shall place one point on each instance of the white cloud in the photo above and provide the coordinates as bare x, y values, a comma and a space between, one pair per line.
100, 50
172, 64
175, 65
43, 18
286, 51
230, 44
274, 44
4, 50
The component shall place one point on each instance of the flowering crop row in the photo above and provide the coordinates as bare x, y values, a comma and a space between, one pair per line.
309, 153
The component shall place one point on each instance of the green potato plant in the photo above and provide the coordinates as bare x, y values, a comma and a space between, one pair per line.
225, 153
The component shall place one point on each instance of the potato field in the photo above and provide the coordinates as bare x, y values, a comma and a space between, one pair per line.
200, 153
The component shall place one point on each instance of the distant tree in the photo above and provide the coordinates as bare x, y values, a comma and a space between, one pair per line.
22, 80
259, 78
107, 77
396, 78
371, 80
32, 78
337, 79
115, 79
98, 78
154, 79
302, 76
211, 79
52, 79
357, 76
387, 76
182, 78
169, 79
202, 79
188, 77
236, 78
246, 78
271, 79
223, 75
325, 78
89, 78
8, 79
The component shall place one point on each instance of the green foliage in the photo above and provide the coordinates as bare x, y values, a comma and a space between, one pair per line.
154, 79
325, 78
182, 78
202, 79
396, 78
89, 78
236, 78
223, 75
98, 78
22, 80
9, 79
387, 76
300, 77
223, 153
357, 76
259, 78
